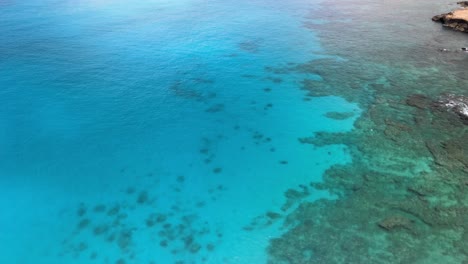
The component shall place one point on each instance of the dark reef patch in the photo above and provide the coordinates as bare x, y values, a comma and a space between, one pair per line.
215, 108
142, 197
275, 79
183, 89
251, 46
100, 229
81, 210
100, 208
114, 210
180, 179
124, 239
83, 223
339, 115
118, 224
394, 222
120, 261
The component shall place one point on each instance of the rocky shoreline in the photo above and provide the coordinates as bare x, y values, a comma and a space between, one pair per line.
457, 19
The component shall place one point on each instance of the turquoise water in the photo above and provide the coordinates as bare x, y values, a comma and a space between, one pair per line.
156, 131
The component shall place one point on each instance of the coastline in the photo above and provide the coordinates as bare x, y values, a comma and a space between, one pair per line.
456, 20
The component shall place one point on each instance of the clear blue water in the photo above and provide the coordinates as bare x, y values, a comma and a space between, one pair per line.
175, 99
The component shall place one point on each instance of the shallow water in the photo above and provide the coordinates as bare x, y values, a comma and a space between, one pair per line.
184, 132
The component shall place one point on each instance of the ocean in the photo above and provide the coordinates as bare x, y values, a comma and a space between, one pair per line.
261, 131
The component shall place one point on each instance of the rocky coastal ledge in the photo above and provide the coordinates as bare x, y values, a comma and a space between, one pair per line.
457, 19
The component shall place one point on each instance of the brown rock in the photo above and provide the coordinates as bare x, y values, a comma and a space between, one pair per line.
457, 19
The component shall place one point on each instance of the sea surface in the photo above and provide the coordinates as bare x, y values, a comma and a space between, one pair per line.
198, 131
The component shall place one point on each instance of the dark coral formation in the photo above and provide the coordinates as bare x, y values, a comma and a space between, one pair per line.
395, 222
251, 46
178, 230
339, 115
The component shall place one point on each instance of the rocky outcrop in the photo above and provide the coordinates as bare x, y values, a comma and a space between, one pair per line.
463, 3
457, 19
457, 104
395, 222
446, 103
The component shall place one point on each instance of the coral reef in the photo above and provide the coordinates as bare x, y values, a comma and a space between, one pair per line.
339, 115
404, 198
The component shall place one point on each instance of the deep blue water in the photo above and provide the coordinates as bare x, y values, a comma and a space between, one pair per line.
103, 101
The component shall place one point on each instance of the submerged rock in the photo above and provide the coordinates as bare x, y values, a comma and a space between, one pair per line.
83, 223
396, 221
125, 239
142, 197
339, 115
457, 19
273, 215
418, 100
120, 261
457, 104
